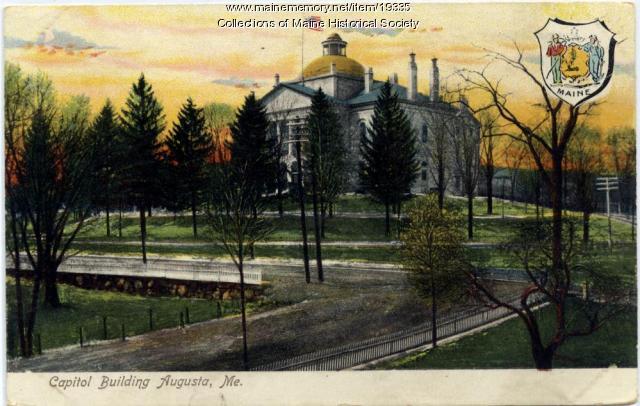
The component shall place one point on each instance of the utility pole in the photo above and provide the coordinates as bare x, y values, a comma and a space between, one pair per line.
303, 218
607, 184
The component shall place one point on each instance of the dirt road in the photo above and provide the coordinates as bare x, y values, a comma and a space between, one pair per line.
307, 317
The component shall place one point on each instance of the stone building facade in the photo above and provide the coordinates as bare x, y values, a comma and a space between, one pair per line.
353, 92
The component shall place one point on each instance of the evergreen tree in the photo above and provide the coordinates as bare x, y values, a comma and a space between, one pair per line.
142, 122
389, 166
253, 152
105, 133
327, 153
188, 148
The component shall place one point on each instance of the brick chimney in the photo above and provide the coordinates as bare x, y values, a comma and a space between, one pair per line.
368, 80
434, 90
412, 89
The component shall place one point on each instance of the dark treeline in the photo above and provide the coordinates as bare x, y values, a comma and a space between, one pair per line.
63, 166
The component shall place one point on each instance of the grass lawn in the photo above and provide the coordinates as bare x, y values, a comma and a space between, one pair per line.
178, 229
168, 228
622, 258
86, 308
345, 203
365, 254
507, 346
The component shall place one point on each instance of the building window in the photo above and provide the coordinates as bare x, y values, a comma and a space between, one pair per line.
284, 136
363, 130
284, 130
424, 171
425, 133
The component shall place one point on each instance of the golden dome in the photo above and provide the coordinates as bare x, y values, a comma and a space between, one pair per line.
322, 66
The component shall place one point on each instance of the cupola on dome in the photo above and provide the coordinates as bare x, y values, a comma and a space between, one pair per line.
334, 51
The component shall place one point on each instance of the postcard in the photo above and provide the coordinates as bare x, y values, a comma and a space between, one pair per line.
277, 203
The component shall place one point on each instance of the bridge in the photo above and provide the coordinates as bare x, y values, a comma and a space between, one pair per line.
198, 270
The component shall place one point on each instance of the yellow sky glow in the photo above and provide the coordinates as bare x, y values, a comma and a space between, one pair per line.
183, 53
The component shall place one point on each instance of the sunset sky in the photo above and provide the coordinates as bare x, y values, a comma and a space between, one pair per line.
100, 51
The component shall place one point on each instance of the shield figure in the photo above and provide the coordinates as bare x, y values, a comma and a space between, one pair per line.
576, 59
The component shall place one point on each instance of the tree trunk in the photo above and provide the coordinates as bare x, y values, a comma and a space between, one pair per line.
490, 190
323, 215
280, 204
564, 194
194, 221
387, 228
33, 310
316, 226
441, 187
17, 270
542, 357
143, 233
303, 218
245, 350
398, 219
252, 252
434, 318
537, 199
120, 220
556, 206
633, 223
470, 216
585, 226
51, 296
149, 212
108, 209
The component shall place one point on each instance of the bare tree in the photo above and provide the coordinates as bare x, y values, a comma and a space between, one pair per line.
584, 164
438, 150
279, 112
546, 137
531, 187
17, 92
48, 165
622, 144
488, 150
606, 292
466, 153
514, 157
237, 221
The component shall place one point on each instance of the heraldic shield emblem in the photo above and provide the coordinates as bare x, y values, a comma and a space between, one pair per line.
576, 59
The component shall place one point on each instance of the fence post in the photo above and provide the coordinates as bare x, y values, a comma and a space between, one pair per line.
39, 339
150, 319
104, 327
122, 331
186, 313
81, 338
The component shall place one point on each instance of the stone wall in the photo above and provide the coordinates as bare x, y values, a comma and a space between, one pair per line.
155, 286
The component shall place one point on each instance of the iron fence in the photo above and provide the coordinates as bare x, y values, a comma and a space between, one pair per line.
350, 355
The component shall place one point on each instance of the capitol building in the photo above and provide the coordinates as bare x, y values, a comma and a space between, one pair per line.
353, 91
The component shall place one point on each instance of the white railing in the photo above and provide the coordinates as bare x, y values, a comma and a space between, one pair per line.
186, 270
350, 355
